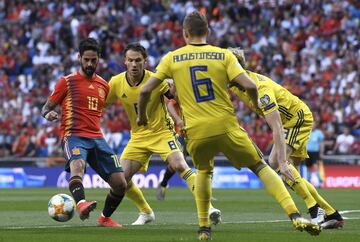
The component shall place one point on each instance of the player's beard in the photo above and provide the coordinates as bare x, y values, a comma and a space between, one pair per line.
89, 71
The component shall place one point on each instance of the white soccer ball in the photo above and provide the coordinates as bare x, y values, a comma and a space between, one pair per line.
61, 207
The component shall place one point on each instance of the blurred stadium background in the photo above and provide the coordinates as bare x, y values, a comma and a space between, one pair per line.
311, 47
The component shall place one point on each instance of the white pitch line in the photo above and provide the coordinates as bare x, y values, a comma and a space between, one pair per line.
238, 222
349, 211
45, 226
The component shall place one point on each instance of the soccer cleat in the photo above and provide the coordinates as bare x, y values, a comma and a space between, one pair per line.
333, 221
144, 218
160, 194
204, 233
302, 224
108, 222
317, 214
84, 208
215, 215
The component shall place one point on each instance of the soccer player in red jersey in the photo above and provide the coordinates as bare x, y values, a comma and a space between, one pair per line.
82, 98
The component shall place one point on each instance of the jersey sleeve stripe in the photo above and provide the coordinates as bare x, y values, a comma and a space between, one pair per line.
68, 110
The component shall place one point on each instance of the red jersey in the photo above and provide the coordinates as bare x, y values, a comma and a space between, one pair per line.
82, 101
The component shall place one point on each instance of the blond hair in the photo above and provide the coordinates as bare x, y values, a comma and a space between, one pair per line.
240, 55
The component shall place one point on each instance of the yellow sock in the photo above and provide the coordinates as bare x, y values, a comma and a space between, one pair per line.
202, 197
275, 187
189, 176
319, 199
137, 197
300, 188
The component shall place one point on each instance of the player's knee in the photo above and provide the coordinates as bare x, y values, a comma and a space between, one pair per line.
179, 166
77, 167
118, 190
258, 167
177, 162
119, 187
117, 182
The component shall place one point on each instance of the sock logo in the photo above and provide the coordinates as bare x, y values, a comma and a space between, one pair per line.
76, 189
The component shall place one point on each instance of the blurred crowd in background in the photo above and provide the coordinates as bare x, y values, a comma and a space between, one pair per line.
311, 47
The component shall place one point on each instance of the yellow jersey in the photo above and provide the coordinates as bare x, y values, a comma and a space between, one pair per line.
272, 97
159, 118
201, 74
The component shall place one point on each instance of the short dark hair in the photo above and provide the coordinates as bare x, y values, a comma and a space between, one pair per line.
196, 24
89, 44
136, 47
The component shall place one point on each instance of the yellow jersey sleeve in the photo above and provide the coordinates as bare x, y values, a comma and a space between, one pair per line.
267, 100
164, 87
111, 97
233, 68
163, 69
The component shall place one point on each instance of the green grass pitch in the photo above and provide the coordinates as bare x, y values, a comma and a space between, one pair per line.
248, 215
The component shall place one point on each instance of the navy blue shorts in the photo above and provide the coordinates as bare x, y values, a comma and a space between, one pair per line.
95, 151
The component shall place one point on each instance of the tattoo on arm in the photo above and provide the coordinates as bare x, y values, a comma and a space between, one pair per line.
48, 106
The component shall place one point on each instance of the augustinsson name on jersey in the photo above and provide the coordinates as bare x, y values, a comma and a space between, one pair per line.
199, 56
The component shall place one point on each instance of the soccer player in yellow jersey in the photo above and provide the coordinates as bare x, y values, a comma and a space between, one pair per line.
157, 137
201, 74
291, 122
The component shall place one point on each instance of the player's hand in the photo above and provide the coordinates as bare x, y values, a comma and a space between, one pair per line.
172, 88
285, 170
141, 121
51, 116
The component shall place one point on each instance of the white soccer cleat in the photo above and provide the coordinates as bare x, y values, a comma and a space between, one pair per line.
215, 215
144, 218
319, 217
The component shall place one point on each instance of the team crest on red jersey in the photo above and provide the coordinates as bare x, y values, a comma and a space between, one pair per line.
101, 92
76, 151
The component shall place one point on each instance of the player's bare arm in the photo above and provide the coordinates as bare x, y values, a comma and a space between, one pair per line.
243, 81
144, 97
177, 119
48, 111
274, 121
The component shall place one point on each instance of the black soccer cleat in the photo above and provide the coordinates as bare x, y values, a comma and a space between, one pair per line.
333, 221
